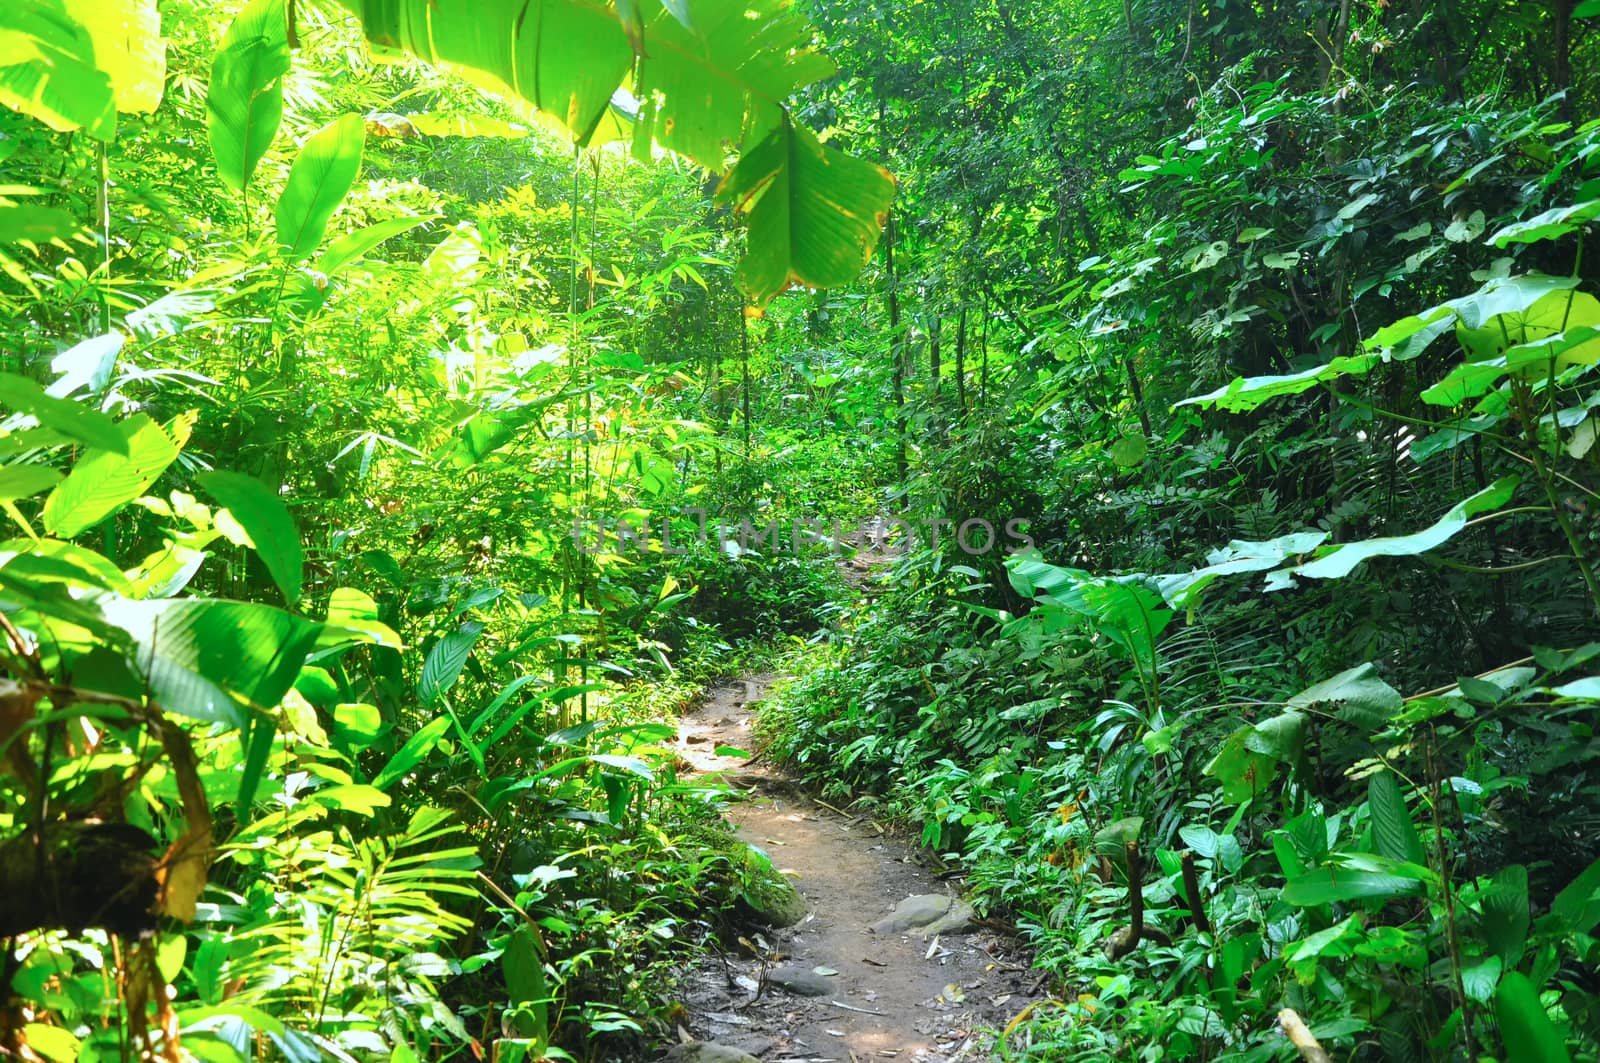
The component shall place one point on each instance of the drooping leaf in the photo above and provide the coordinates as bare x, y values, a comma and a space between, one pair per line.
1505, 914
1361, 696
318, 182
1577, 907
1246, 393
129, 47
244, 101
1529, 1035
272, 531
48, 69
526, 984
1340, 560
1552, 224
172, 313
104, 481
814, 213
1247, 761
198, 655
1181, 589
445, 660
86, 365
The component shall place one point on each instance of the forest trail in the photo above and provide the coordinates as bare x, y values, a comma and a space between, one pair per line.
892, 996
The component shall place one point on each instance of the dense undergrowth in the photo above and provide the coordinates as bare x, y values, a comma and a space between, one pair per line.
386, 464
1350, 770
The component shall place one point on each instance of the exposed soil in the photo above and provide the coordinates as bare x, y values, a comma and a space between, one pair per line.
893, 997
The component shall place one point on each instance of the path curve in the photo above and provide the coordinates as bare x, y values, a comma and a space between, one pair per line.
894, 996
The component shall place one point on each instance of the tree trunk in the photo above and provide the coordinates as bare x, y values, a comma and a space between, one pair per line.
961, 361
1561, 45
897, 358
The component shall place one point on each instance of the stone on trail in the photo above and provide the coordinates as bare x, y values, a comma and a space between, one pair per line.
771, 897
707, 1052
801, 980
929, 914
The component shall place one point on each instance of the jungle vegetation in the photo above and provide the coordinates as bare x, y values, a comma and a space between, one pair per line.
343, 340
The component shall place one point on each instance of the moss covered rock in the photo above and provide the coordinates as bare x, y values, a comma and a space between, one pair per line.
771, 898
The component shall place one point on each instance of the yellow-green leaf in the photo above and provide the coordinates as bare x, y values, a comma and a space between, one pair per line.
815, 214
318, 182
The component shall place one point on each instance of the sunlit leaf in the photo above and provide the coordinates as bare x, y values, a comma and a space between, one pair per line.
814, 213
353, 246
244, 101
48, 69
104, 481
129, 47
1338, 561
445, 660
318, 182
263, 515
1246, 393
72, 419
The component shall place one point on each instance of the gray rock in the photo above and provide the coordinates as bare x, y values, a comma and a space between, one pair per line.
958, 920
928, 914
801, 981
707, 1052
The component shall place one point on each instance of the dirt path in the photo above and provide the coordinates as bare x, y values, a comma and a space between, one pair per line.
889, 996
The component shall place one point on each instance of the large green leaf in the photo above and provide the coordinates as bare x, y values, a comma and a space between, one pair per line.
105, 481
21, 481
318, 182
1553, 223
1244, 394
445, 660
35, 224
1505, 917
1577, 907
1361, 696
1329, 885
1410, 336
1340, 560
712, 75
416, 749
1576, 345
1247, 761
129, 47
1182, 589
1393, 833
1545, 318
244, 102
526, 984
263, 516
48, 70
202, 657
815, 213
72, 419
1528, 1033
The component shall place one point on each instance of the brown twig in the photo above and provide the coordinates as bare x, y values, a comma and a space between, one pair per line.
1294, 1027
